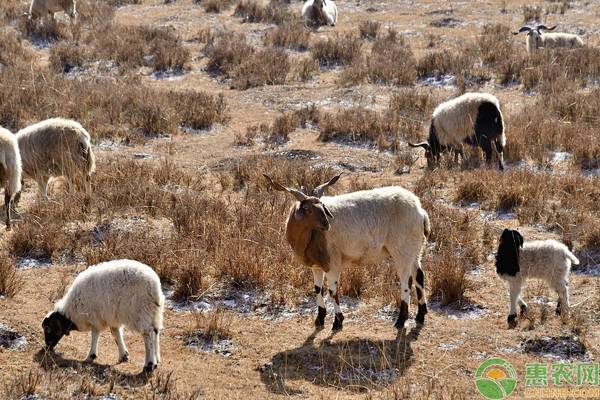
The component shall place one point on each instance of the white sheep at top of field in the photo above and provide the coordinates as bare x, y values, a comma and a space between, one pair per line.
327, 233
319, 12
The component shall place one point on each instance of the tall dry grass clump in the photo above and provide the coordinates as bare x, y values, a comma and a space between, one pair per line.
336, 50
10, 281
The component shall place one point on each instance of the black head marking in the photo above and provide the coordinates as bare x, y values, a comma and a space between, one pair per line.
55, 326
507, 259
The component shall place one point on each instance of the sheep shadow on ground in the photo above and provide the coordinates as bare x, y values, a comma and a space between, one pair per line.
356, 364
50, 360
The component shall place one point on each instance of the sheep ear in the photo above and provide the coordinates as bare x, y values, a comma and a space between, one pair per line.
296, 193
519, 239
319, 190
329, 214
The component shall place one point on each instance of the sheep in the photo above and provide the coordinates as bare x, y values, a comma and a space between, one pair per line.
474, 119
10, 170
111, 295
43, 8
319, 12
537, 39
548, 260
365, 227
56, 147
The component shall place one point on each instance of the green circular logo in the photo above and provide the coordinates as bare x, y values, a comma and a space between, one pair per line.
496, 379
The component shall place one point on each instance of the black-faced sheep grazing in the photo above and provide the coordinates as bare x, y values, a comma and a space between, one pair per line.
319, 12
10, 170
47, 8
474, 119
327, 233
56, 147
548, 260
111, 295
537, 39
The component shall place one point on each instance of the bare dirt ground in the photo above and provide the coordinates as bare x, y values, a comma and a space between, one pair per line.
270, 354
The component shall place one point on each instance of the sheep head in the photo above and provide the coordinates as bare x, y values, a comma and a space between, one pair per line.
319, 4
507, 258
309, 211
56, 326
430, 154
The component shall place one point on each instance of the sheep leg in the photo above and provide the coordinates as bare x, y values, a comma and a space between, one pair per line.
332, 282
157, 346
117, 333
322, 311
7, 201
42, 182
562, 307
515, 292
420, 287
486, 146
405, 283
522, 305
93, 354
500, 150
149, 362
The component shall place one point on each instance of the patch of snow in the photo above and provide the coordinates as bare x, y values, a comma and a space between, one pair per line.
446, 81
168, 75
9, 339
33, 263
560, 156
557, 348
468, 311
143, 155
220, 346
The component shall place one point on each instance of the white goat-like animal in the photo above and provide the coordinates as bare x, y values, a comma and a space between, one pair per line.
47, 8
548, 260
537, 39
56, 147
319, 12
10, 169
111, 295
365, 227
474, 119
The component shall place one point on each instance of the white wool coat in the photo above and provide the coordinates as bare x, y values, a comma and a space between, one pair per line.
548, 260
454, 120
112, 294
311, 15
371, 225
553, 40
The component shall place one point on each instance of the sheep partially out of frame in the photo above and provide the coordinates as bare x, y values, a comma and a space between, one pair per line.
537, 39
474, 119
328, 232
40, 9
111, 295
56, 147
10, 170
548, 260
319, 12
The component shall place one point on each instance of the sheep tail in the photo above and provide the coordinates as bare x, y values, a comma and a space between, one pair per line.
572, 257
426, 224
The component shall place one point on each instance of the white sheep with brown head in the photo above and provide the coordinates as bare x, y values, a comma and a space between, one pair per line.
327, 233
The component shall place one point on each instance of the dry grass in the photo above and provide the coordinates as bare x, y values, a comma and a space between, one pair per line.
369, 29
276, 12
290, 36
10, 280
215, 6
336, 50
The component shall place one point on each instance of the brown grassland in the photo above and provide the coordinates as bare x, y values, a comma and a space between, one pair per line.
189, 102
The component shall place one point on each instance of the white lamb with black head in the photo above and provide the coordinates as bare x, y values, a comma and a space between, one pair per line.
548, 260
474, 119
111, 295
326, 233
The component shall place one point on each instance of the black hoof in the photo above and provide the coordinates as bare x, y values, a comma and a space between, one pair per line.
512, 321
523, 309
320, 321
125, 358
420, 318
149, 367
338, 322
403, 316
